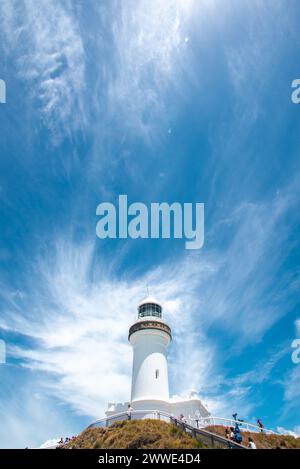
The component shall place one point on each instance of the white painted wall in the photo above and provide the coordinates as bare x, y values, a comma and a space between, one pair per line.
190, 408
149, 357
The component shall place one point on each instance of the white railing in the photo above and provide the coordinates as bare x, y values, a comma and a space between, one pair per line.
246, 426
192, 425
209, 438
135, 414
200, 422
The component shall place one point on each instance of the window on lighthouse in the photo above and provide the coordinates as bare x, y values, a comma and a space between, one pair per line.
149, 309
156, 374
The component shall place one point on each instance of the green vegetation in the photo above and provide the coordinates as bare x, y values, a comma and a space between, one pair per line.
135, 434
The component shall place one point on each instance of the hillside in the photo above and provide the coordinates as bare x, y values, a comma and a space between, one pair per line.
262, 440
135, 434
156, 434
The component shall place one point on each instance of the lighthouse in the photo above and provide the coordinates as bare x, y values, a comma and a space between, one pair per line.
150, 337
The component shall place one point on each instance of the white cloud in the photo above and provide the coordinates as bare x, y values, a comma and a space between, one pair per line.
250, 58
228, 401
295, 432
28, 419
50, 443
49, 55
247, 267
263, 370
291, 387
148, 57
297, 324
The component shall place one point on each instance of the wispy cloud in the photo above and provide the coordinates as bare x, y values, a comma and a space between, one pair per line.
291, 388
146, 53
263, 370
45, 41
297, 324
295, 432
244, 293
150, 46
25, 414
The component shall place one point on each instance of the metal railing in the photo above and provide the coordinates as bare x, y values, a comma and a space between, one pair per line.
200, 422
212, 440
135, 415
246, 426
193, 426
208, 438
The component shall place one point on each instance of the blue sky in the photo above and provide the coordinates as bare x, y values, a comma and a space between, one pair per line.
172, 100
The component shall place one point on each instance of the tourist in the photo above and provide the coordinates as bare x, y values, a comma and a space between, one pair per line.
129, 412
231, 433
259, 422
251, 443
182, 419
237, 435
227, 434
197, 418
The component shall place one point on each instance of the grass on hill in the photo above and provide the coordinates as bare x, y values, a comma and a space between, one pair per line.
262, 440
135, 434
156, 434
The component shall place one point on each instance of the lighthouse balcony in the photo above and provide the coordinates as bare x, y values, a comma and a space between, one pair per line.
150, 323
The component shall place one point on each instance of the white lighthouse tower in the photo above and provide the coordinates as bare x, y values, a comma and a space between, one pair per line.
150, 337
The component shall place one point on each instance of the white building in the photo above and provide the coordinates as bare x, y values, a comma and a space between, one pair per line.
150, 337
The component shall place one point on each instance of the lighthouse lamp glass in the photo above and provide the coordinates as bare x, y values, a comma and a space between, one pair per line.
149, 309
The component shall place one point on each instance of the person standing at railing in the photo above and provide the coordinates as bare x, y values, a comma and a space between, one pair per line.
129, 412
259, 423
237, 435
197, 418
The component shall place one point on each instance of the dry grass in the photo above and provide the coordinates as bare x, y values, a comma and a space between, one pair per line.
262, 440
135, 434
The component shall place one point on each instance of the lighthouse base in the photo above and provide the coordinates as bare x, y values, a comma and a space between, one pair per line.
190, 408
